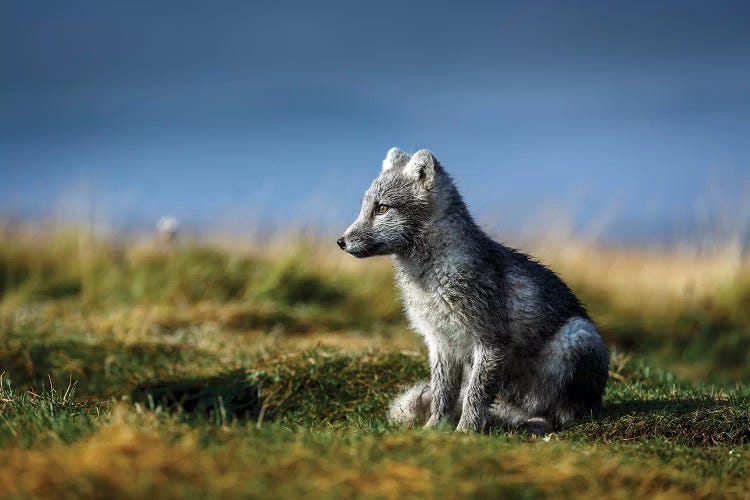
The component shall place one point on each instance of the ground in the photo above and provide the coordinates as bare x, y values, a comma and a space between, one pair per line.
136, 371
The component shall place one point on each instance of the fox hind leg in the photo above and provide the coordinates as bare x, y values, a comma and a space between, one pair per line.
412, 407
503, 414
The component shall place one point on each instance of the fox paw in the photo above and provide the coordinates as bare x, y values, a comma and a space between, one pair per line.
539, 426
438, 423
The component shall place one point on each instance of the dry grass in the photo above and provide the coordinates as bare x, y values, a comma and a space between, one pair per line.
128, 462
650, 280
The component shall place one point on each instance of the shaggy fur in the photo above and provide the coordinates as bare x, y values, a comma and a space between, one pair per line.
509, 343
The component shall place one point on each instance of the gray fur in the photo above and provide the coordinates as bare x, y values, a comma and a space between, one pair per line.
509, 343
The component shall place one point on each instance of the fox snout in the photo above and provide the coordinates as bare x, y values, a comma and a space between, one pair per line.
351, 239
349, 246
355, 243
346, 244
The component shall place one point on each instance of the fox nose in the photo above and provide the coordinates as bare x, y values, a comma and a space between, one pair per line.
341, 242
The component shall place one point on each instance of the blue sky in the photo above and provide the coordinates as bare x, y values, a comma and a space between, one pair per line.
271, 113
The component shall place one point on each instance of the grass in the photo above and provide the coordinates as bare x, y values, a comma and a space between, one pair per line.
132, 372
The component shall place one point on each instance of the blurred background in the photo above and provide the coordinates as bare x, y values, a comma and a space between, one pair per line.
627, 122
174, 174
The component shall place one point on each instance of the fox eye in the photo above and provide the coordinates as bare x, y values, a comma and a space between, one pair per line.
381, 209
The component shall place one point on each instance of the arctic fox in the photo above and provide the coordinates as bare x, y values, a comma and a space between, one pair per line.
508, 341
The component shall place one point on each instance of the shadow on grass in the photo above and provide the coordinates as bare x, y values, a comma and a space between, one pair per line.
311, 389
228, 396
100, 370
315, 389
690, 422
239, 396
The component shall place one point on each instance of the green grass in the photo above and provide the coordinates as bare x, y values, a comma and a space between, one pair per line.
205, 373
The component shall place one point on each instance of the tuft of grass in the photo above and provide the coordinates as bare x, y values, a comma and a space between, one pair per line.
29, 418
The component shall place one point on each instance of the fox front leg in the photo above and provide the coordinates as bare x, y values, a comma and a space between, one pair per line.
445, 385
481, 390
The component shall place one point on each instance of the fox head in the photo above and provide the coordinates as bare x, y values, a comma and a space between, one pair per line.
398, 206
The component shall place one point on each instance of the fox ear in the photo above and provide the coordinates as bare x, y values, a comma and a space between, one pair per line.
421, 168
395, 158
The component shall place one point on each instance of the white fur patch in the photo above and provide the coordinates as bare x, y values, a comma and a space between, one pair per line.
395, 158
412, 406
431, 316
575, 333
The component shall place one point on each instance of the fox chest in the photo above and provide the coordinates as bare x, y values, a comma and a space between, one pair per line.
437, 319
